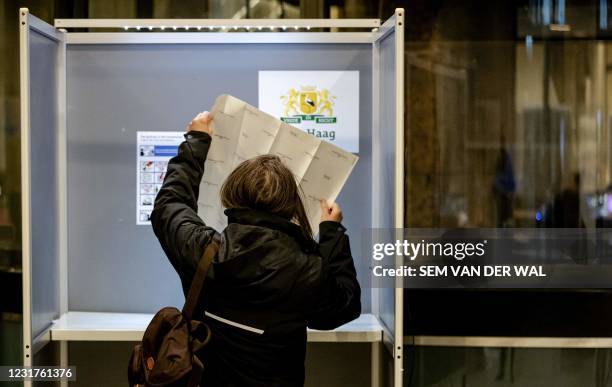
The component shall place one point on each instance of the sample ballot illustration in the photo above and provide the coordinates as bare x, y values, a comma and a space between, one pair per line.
154, 149
242, 131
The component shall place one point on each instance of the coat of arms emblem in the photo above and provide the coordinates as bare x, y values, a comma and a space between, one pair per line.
308, 101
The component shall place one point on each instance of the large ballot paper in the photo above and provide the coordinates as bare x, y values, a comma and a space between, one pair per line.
242, 131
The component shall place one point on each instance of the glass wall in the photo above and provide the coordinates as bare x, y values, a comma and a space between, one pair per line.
508, 124
508, 118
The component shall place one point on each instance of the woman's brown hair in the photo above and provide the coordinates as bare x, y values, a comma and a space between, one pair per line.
265, 183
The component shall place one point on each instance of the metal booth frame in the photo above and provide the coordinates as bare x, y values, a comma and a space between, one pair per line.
386, 339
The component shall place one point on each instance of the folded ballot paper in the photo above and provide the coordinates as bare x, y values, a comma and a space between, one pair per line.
242, 131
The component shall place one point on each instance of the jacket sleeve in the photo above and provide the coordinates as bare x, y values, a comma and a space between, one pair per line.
337, 299
180, 231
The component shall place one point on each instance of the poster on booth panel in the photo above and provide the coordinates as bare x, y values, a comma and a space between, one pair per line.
323, 103
154, 150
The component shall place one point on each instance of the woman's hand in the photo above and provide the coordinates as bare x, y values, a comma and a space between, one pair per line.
331, 212
201, 123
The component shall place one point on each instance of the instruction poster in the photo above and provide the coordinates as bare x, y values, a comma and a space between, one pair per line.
325, 104
154, 150
242, 131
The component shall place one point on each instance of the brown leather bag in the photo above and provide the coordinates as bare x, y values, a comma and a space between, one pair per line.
166, 357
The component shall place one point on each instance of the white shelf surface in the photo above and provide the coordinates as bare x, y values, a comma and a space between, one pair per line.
99, 326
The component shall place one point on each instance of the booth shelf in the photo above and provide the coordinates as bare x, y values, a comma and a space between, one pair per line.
99, 326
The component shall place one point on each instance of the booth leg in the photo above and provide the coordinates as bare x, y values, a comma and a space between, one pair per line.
64, 360
375, 366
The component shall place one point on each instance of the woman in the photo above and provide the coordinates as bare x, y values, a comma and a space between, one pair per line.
270, 279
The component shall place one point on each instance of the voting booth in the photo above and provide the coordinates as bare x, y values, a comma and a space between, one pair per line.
91, 272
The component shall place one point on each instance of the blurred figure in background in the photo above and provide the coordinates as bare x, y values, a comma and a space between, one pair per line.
504, 187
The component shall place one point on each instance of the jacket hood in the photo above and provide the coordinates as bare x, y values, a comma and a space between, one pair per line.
257, 218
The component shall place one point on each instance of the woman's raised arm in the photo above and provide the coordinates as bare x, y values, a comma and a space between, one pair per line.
181, 232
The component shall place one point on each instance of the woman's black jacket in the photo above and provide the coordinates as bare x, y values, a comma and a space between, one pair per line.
265, 287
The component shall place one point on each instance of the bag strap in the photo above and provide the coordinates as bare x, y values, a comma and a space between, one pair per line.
198, 279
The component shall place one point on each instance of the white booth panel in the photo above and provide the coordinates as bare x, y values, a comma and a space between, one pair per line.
41, 59
388, 181
43, 181
385, 184
115, 90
